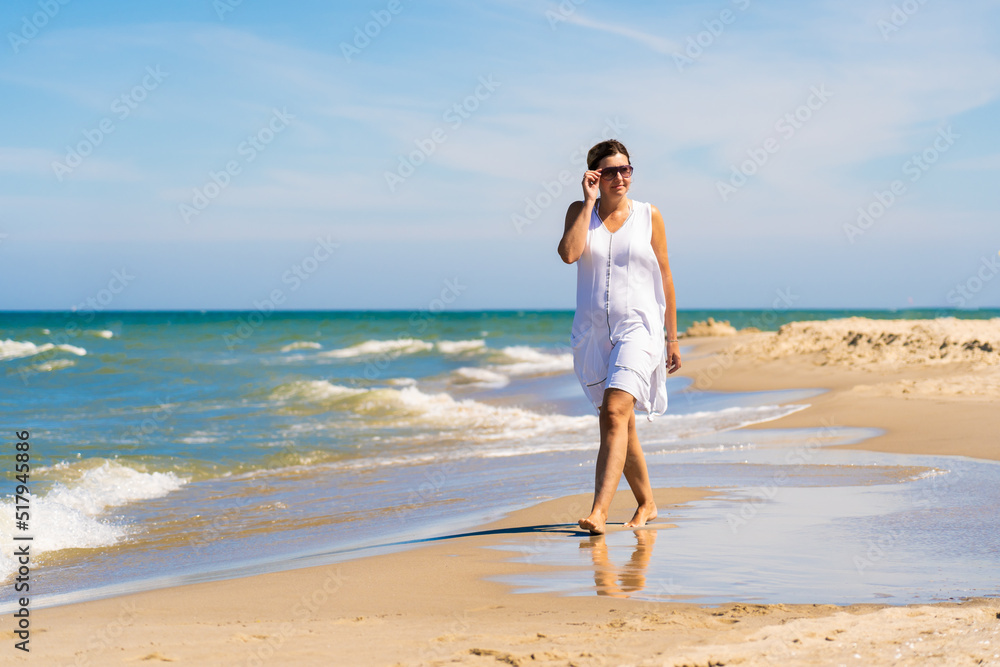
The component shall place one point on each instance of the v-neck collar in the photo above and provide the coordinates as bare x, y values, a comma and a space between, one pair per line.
597, 206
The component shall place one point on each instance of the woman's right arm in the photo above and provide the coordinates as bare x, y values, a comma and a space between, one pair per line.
574, 238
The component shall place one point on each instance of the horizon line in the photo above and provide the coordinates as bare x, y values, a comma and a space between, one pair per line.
474, 310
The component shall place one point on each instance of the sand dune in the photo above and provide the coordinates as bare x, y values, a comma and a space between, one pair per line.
709, 327
881, 345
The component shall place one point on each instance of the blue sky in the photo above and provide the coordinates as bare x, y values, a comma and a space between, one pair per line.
233, 154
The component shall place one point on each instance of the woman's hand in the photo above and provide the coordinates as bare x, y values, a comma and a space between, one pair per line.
673, 357
591, 187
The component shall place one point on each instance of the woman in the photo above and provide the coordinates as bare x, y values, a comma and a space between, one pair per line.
624, 302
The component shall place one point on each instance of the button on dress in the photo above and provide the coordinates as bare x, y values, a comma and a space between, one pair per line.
617, 335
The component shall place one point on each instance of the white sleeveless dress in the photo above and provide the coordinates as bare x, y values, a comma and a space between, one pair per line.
617, 336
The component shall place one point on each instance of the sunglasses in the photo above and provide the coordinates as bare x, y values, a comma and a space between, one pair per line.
608, 173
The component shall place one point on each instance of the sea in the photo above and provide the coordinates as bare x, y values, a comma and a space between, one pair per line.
166, 448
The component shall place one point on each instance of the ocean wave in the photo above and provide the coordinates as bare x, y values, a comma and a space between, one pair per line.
100, 333
479, 376
673, 427
14, 349
545, 434
480, 422
409, 406
516, 360
525, 360
198, 438
112, 484
54, 365
390, 348
313, 390
460, 346
301, 345
68, 516
402, 346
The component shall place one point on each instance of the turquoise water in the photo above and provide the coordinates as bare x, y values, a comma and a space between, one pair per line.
191, 446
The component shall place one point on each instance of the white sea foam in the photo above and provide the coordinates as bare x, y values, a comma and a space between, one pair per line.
513, 360
100, 333
409, 406
69, 515
313, 390
54, 365
481, 422
112, 484
479, 376
545, 446
198, 438
301, 345
670, 428
384, 348
402, 346
13, 349
524, 360
460, 346
555, 433
470, 429
488, 421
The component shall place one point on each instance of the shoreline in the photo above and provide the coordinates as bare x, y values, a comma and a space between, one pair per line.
436, 603
904, 419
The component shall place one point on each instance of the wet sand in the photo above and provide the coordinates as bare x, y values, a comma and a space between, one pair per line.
439, 603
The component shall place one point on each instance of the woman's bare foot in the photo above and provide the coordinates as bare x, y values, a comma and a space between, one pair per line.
643, 513
595, 522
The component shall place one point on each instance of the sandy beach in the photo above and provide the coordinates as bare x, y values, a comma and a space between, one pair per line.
931, 386
308, 312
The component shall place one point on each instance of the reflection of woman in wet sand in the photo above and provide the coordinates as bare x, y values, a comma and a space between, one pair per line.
616, 583
624, 304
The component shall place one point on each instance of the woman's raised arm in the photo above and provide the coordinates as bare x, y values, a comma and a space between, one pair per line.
574, 238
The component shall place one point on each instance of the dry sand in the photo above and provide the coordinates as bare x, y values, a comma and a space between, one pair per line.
433, 605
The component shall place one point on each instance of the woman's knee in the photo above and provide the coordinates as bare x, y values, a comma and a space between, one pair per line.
619, 406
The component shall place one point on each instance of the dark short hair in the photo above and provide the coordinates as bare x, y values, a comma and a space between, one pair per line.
603, 150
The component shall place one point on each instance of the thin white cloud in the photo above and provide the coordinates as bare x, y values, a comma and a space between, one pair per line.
657, 44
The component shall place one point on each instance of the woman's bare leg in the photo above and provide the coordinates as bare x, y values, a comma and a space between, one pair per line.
618, 406
638, 479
